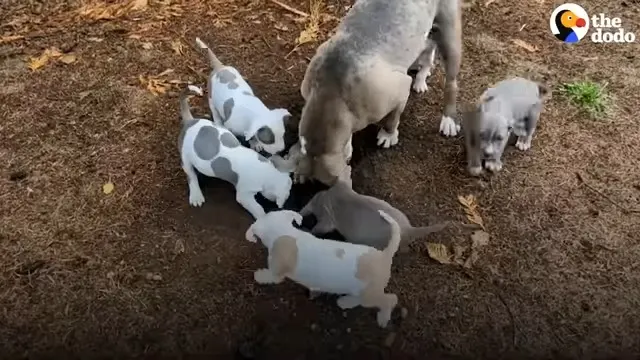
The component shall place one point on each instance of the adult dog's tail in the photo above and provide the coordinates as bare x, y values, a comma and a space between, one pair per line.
185, 109
394, 242
214, 62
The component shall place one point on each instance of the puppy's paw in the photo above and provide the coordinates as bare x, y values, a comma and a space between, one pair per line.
523, 143
475, 170
448, 126
387, 140
196, 198
265, 276
493, 165
420, 85
383, 318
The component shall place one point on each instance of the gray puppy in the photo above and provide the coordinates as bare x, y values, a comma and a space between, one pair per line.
359, 76
510, 106
357, 218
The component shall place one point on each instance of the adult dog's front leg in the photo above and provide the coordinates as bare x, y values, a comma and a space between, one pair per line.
389, 133
449, 40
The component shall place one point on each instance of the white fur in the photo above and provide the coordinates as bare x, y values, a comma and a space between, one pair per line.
319, 267
254, 176
387, 140
448, 126
249, 113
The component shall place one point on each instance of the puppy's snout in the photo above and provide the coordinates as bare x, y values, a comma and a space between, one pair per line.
488, 152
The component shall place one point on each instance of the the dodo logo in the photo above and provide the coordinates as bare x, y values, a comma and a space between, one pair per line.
569, 23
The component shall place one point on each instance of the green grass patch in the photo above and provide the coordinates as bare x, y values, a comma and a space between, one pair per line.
587, 95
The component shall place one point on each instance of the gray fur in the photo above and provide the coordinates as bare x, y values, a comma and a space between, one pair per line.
227, 108
207, 143
227, 77
510, 106
354, 216
229, 140
358, 77
265, 135
248, 93
222, 169
183, 131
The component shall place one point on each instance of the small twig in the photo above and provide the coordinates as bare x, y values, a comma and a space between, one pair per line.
624, 209
291, 9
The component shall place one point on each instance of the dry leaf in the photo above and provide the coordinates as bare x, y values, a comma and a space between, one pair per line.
42, 60
68, 59
311, 30
439, 253
6, 39
139, 4
307, 35
479, 238
471, 209
108, 188
177, 47
525, 45
179, 247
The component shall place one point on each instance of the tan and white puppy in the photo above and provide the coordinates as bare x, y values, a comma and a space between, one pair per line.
357, 272
359, 76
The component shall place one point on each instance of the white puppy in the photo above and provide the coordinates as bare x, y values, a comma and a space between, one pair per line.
234, 106
358, 272
214, 151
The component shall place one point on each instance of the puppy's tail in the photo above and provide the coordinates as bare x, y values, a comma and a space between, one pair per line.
394, 241
214, 62
414, 233
185, 109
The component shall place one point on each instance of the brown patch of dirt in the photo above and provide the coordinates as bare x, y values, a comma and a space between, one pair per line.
139, 273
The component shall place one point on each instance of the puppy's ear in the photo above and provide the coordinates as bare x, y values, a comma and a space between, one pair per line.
544, 91
297, 218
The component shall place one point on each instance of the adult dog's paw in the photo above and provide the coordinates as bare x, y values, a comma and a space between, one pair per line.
523, 143
475, 170
387, 140
196, 198
448, 126
420, 86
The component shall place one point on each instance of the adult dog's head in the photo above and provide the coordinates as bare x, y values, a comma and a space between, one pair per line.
324, 132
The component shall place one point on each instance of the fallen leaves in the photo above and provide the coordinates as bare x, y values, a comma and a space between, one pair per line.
106, 11
470, 206
159, 84
10, 38
52, 53
312, 27
439, 253
108, 188
525, 45
463, 255
178, 47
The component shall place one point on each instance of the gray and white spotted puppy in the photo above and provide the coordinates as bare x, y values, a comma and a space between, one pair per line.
214, 151
234, 106
511, 105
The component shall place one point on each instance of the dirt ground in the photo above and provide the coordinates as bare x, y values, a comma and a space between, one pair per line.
139, 273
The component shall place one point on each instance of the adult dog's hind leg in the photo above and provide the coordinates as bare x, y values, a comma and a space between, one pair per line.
388, 134
449, 40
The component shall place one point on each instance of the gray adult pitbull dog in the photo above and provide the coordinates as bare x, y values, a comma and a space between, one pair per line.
357, 218
510, 106
359, 77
